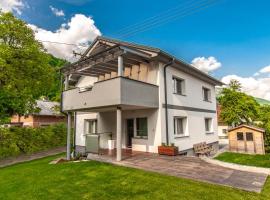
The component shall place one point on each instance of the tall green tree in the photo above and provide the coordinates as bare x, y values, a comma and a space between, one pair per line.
236, 106
25, 73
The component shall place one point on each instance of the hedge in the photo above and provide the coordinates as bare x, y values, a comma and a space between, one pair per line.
25, 140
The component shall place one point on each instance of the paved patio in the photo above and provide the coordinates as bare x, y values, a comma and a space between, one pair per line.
188, 167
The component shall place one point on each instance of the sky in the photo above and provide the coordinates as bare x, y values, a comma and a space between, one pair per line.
226, 38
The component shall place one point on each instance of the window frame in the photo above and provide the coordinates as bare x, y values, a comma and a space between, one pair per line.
209, 124
182, 83
87, 126
184, 126
209, 98
242, 136
248, 140
136, 128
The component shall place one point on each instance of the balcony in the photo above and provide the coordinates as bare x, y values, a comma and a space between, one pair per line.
118, 91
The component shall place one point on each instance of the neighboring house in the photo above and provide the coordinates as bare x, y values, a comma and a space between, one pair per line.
223, 127
140, 95
48, 114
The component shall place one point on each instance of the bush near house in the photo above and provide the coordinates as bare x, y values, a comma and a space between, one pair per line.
25, 140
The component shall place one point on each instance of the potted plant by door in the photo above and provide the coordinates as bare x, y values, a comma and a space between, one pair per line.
168, 150
111, 143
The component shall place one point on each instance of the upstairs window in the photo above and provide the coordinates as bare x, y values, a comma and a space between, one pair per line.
178, 86
206, 94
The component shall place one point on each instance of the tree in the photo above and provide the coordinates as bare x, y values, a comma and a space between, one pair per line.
236, 106
25, 73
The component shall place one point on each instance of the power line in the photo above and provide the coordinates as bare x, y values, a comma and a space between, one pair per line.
63, 43
150, 19
187, 11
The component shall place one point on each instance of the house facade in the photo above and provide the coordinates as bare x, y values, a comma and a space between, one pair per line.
48, 114
139, 97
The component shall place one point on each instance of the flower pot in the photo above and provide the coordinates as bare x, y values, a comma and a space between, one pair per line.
168, 150
111, 144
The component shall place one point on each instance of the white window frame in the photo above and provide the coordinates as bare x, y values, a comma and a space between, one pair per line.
209, 98
210, 124
136, 128
184, 125
87, 124
182, 83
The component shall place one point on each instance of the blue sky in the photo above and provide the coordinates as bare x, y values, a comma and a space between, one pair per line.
236, 33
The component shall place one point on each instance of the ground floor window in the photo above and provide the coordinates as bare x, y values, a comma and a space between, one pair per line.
91, 126
208, 125
180, 126
141, 127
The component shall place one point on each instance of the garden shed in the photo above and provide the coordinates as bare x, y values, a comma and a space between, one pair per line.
246, 139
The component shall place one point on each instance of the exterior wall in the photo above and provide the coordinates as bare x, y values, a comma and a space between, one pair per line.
220, 131
253, 147
26, 120
37, 120
192, 99
156, 117
106, 124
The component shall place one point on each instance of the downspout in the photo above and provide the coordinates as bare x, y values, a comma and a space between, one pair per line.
74, 133
166, 98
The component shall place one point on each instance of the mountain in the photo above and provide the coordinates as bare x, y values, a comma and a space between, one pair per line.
262, 101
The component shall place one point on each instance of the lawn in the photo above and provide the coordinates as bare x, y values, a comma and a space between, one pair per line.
245, 159
92, 180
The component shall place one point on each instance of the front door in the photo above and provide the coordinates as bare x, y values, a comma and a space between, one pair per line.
130, 132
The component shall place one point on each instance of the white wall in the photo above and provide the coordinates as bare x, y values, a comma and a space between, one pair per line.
220, 130
193, 98
80, 126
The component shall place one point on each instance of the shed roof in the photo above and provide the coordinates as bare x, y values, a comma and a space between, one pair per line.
249, 127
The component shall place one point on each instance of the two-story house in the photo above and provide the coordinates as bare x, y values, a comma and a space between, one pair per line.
140, 97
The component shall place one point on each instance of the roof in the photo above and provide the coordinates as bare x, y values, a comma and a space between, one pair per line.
47, 108
187, 67
249, 127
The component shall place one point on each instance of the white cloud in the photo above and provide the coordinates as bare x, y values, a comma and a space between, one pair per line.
57, 12
258, 87
265, 69
12, 6
206, 64
79, 30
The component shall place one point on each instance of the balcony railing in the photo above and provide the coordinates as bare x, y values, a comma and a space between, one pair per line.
113, 92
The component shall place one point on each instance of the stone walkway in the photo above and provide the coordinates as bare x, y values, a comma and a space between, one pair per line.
192, 168
24, 158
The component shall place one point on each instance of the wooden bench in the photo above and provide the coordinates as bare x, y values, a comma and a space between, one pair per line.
202, 149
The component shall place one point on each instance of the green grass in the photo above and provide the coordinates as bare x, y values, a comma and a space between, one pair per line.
245, 159
92, 180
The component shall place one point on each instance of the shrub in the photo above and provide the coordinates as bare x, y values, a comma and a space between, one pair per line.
26, 140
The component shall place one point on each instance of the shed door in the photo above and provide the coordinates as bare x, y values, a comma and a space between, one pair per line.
250, 142
240, 142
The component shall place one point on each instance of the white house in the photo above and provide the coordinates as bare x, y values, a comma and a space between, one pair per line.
140, 96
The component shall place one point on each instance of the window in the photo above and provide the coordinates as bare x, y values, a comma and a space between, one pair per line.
224, 131
208, 124
178, 86
141, 127
249, 136
180, 126
206, 94
240, 136
91, 126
